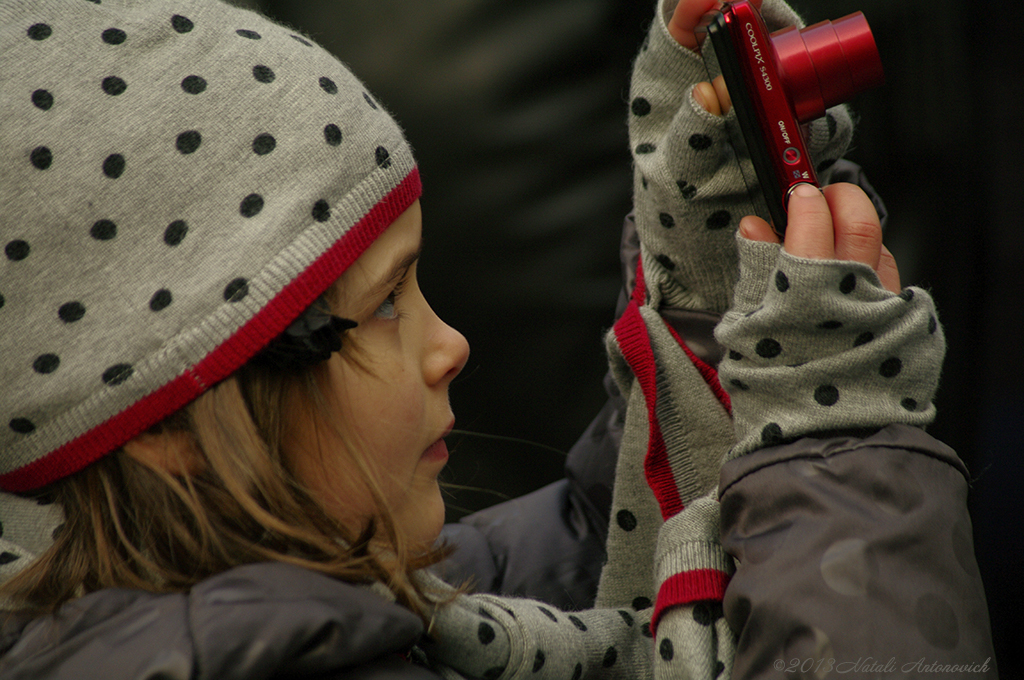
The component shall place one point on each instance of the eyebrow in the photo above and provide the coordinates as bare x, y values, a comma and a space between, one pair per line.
400, 268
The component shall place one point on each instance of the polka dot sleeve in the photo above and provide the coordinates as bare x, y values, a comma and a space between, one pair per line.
504, 638
688, 192
820, 346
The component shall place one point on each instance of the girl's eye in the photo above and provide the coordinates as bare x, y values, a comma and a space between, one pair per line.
388, 310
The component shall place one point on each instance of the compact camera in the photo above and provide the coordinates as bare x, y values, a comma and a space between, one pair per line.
778, 82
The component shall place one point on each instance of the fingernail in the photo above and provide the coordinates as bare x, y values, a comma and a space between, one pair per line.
698, 94
805, 190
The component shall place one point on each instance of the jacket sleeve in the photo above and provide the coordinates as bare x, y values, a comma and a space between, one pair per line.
847, 522
854, 555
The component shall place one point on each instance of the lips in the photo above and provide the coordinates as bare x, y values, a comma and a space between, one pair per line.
438, 451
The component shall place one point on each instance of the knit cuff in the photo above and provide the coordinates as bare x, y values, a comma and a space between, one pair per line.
690, 564
819, 345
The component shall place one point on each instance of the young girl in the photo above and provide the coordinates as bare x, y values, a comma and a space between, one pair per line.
225, 396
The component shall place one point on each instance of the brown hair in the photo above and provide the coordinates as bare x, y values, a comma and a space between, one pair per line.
132, 525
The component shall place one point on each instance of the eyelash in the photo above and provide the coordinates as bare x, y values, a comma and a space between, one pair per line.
387, 310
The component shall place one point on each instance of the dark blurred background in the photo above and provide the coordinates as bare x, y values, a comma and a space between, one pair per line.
516, 111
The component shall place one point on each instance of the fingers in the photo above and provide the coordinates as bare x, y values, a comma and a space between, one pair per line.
722, 93
858, 233
713, 96
687, 15
809, 231
705, 95
888, 272
685, 18
838, 223
753, 228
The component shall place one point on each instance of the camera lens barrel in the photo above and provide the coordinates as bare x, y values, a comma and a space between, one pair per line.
827, 63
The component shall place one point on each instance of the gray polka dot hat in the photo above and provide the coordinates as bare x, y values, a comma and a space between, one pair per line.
180, 180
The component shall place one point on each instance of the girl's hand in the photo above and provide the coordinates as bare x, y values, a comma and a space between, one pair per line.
712, 96
836, 223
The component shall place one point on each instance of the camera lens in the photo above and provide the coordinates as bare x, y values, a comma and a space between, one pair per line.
827, 63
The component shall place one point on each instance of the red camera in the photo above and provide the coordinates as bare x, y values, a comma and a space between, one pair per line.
779, 81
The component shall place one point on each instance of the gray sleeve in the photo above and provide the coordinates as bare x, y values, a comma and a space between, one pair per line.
854, 551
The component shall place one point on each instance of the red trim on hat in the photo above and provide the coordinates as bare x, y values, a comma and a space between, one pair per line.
225, 359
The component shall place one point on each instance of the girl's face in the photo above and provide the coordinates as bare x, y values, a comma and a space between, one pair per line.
392, 401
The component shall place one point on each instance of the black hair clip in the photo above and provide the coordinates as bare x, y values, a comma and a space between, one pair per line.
308, 341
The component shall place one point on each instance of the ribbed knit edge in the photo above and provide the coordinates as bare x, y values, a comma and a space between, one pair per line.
227, 357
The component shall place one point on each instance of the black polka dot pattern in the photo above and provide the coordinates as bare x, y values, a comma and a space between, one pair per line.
46, 363
103, 230
666, 650
251, 205
70, 312
42, 99
830, 325
17, 250
193, 84
236, 290
175, 232
332, 134
538, 660
161, 300
263, 73
39, 31
771, 435
188, 141
251, 35
113, 85
577, 672
113, 36
302, 41
666, 220
768, 348
7, 557
328, 85
114, 165
263, 144
485, 633
700, 142
181, 24
382, 157
863, 339
369, 100
687, 190
640, 106
706, 613
666, 262
547, 612
626, 520
321, 211
41, 158
117, 374
641, 603
611, 655
891, 367
22, 425
576, 621
646, 148
781, 281
627, 618
826, 395
720, 219
848, 284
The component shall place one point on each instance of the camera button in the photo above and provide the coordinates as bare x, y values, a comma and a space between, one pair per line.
791, 155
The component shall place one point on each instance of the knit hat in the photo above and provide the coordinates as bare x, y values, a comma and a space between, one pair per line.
181, 179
